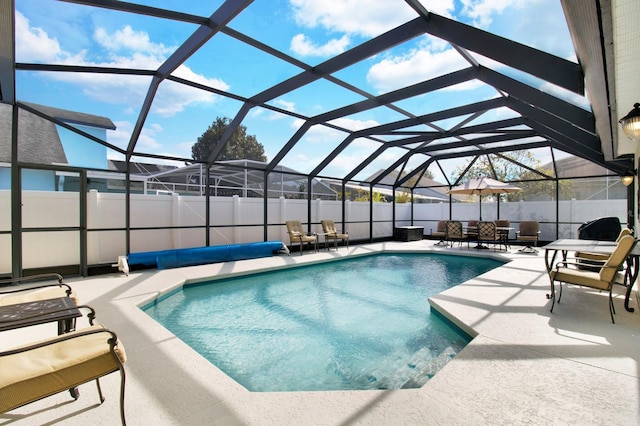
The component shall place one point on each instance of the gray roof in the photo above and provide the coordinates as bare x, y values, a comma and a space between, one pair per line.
38, 138
74, 117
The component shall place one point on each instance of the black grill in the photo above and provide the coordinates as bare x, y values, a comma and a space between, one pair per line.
603, 229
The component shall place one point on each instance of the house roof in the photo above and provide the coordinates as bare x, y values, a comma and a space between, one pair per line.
38, 138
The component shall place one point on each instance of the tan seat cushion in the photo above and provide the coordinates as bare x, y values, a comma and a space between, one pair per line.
582, 277
28, 376
35, 294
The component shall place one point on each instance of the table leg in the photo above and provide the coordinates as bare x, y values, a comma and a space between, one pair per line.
633, 266
549, 265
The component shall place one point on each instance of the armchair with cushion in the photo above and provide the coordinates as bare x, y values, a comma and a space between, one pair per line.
297, 235
503, 232
331, 233
529, 232
11, 295
593, 261
602, 279
440, 232
49, 366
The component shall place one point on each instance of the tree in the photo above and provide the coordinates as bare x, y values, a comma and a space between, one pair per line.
506, 168
239, 147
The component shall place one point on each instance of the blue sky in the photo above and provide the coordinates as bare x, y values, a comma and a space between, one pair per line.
56, 32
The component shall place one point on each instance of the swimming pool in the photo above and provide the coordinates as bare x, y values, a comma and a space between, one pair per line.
353, 324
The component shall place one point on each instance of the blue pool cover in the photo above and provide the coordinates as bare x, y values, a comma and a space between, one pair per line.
174, 258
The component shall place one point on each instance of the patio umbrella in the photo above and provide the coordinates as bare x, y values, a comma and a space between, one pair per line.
483, 186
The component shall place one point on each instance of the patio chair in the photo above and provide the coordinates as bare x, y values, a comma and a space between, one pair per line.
56, 364
440, 232
486, 234
472, 229
603, 279
12, 296
331, 233
503, 233
297, 235
454, 233
595, 260
529, 232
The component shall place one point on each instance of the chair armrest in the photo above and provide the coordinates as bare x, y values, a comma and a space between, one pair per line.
20, 280
60, 284
61, 338
91, 315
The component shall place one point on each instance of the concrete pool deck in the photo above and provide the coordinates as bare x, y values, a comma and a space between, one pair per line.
525, 365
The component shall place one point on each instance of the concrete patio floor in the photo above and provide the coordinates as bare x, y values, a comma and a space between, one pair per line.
524, 366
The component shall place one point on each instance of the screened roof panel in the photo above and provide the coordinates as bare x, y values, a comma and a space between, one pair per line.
382, 69
226, 63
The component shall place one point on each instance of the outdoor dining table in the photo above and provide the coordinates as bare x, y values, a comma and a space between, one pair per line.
501, 231
566, 245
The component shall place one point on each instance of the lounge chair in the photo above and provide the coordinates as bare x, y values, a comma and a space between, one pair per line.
297, 235
56, 364
529, 232
603, 279
12, 296
440, 232
331, 233
455, 233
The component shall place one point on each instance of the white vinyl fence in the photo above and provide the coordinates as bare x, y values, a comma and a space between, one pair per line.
52, 225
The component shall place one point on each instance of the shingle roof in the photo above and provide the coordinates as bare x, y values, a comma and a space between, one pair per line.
74, 117
39, 141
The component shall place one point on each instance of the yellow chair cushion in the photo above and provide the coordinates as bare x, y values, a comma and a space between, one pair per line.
36, 373
580, 277
35, 294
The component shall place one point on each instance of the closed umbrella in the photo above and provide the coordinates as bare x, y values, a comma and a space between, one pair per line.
483, 186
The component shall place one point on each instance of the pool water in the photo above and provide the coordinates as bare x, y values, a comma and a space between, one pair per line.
356, 324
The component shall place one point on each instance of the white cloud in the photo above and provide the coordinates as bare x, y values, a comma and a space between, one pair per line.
362, 17
285, 105
146, 142
34, 44
482, 11
127, 38
354, 125
418, 65
124, 48
323, 134
301, 45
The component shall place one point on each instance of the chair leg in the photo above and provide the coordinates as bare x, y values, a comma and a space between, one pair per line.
122, 383
612, 309
553, 296
99, 391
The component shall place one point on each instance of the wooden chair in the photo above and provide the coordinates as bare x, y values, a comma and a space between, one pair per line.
602, 279
331, 233
297, 235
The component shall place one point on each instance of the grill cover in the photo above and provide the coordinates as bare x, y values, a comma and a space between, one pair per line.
603, 229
